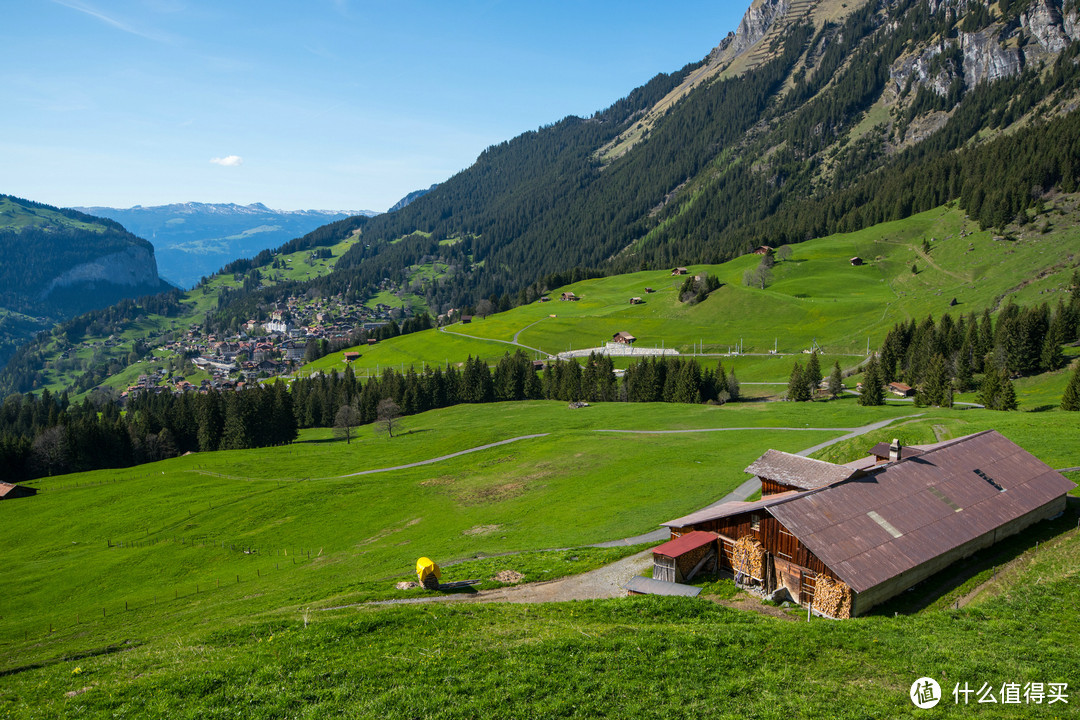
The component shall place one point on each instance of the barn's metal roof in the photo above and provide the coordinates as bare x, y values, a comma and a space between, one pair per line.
798, 471
734, 507
875, 526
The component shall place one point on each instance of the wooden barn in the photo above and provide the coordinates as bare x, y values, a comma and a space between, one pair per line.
856, 261
901, 389
636, 301
10, 491
569, 297
844, 538
352, 356
679, 271
624, 338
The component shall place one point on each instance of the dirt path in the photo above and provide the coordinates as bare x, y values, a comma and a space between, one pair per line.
513, 342
604, 582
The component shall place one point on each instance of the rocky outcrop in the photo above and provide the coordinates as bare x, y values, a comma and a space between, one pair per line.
1046, 25
986, 58
132, 267
921, 69
757, 21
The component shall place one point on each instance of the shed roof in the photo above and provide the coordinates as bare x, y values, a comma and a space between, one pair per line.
876, 526
798, 471
686, 543
734, 507
649, 586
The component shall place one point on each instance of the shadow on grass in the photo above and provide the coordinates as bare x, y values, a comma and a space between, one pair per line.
938, 586
95, 652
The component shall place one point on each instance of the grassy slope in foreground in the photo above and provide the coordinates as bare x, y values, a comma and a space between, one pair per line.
817, 295
629, 657
186, 522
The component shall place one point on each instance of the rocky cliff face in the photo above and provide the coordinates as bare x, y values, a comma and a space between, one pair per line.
756, 23
132, 267
997, 51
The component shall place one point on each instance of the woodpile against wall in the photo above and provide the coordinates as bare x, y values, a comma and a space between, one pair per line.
748, 560
832, 598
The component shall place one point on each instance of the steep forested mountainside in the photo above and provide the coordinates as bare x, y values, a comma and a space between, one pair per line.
815, 116
57, 263
193, 240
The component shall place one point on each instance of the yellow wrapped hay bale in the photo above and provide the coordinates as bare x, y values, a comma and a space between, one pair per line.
832, 597
748, 558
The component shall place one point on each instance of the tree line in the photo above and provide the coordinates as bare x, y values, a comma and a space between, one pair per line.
46, 434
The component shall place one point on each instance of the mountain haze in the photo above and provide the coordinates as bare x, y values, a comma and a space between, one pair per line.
194, 240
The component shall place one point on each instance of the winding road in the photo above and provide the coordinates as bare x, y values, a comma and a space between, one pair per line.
609, 581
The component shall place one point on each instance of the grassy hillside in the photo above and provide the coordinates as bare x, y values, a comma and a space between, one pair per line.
816, 295
194, 584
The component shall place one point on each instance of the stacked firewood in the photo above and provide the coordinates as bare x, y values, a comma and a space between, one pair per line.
748, 557
832, 597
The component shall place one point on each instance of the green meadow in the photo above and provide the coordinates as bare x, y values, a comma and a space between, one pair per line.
298, 525
816, 296
203, 586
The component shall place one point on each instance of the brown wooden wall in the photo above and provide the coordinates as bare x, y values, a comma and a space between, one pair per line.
772, 535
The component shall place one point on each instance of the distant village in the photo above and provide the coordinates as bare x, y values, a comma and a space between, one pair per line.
269, 348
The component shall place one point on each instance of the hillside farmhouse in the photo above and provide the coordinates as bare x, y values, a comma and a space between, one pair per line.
844, 538
9, 491
623, 338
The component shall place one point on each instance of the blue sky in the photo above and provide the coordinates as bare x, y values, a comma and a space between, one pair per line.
332, 104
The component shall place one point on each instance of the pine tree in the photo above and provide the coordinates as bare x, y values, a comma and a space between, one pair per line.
812, 374
734, 391
872, 394
836, 381
1070, 400
938, 388
1051, 358
798, 390
1008, 395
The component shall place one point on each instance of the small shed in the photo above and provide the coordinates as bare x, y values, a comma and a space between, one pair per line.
901, 389
623, 337
351, 356
679, 560
10, 491
763, 250
649, 290
466, 319
545, 298
679, 271
636, 301
856, 261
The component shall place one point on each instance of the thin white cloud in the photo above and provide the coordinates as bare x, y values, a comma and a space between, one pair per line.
111, 21
228, 161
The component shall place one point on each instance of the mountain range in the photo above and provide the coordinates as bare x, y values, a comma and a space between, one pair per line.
813, 117
193, 240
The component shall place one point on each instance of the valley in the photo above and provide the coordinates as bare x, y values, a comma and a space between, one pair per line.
850, 234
